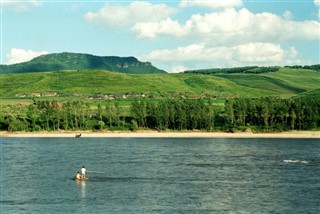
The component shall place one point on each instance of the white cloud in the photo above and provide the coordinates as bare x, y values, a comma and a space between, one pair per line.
19, 6
253, 53
19, 55
231, 26
225, 36
215, 4
154, 29
287, 15
244, 54
120, 15
179, 68
195, 52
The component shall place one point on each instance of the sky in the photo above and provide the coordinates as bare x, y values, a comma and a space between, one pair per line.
173, 35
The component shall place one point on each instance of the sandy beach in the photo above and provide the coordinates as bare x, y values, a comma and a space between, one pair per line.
156, 134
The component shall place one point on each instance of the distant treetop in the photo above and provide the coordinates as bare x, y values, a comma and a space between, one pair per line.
250, 69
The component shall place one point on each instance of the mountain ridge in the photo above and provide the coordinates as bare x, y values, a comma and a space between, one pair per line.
80, 61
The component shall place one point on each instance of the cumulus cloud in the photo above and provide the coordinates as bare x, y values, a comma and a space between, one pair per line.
227, 35
19, 6
244, 54
253, 53
214, 4
112, 15
20, 55
232, 26
154, 29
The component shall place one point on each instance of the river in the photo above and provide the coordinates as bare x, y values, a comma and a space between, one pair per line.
160, 175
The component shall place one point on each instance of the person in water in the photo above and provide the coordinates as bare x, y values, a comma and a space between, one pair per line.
78, 176
83, 172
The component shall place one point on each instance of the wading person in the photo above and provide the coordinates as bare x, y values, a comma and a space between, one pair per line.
83, 172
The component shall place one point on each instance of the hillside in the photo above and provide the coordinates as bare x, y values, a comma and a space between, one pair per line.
75, 61
310, 94
285, 82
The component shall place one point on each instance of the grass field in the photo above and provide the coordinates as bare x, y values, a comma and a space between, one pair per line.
285, 83
312, 93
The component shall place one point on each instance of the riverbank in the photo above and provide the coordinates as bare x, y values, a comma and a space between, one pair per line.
156, 134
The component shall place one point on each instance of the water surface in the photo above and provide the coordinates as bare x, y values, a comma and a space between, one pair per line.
147, 175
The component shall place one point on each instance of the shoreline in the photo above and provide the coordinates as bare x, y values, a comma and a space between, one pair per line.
157, 134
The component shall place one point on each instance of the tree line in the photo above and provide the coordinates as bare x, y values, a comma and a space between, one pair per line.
274, 114
258, 114
250, 69
261, 114
247, 69
311, 67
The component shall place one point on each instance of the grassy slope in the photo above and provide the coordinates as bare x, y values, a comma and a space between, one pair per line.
90, 82
286, 82
312, 93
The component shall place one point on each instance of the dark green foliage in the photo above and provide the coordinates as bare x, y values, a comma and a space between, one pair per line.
174, 114
261, 70
274, 114
74, 61
264, 114
259, 114
248, 69
310, 67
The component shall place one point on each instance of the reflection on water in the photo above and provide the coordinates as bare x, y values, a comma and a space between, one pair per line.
133, 175
302, 161
82, 184
83, 189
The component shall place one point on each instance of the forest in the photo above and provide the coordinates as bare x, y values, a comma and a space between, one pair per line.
266, 114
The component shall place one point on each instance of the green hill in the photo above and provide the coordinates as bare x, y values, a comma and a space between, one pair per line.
286, 82
88, 82
75, 61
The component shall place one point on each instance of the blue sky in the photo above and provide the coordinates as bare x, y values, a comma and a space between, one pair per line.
173, 35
